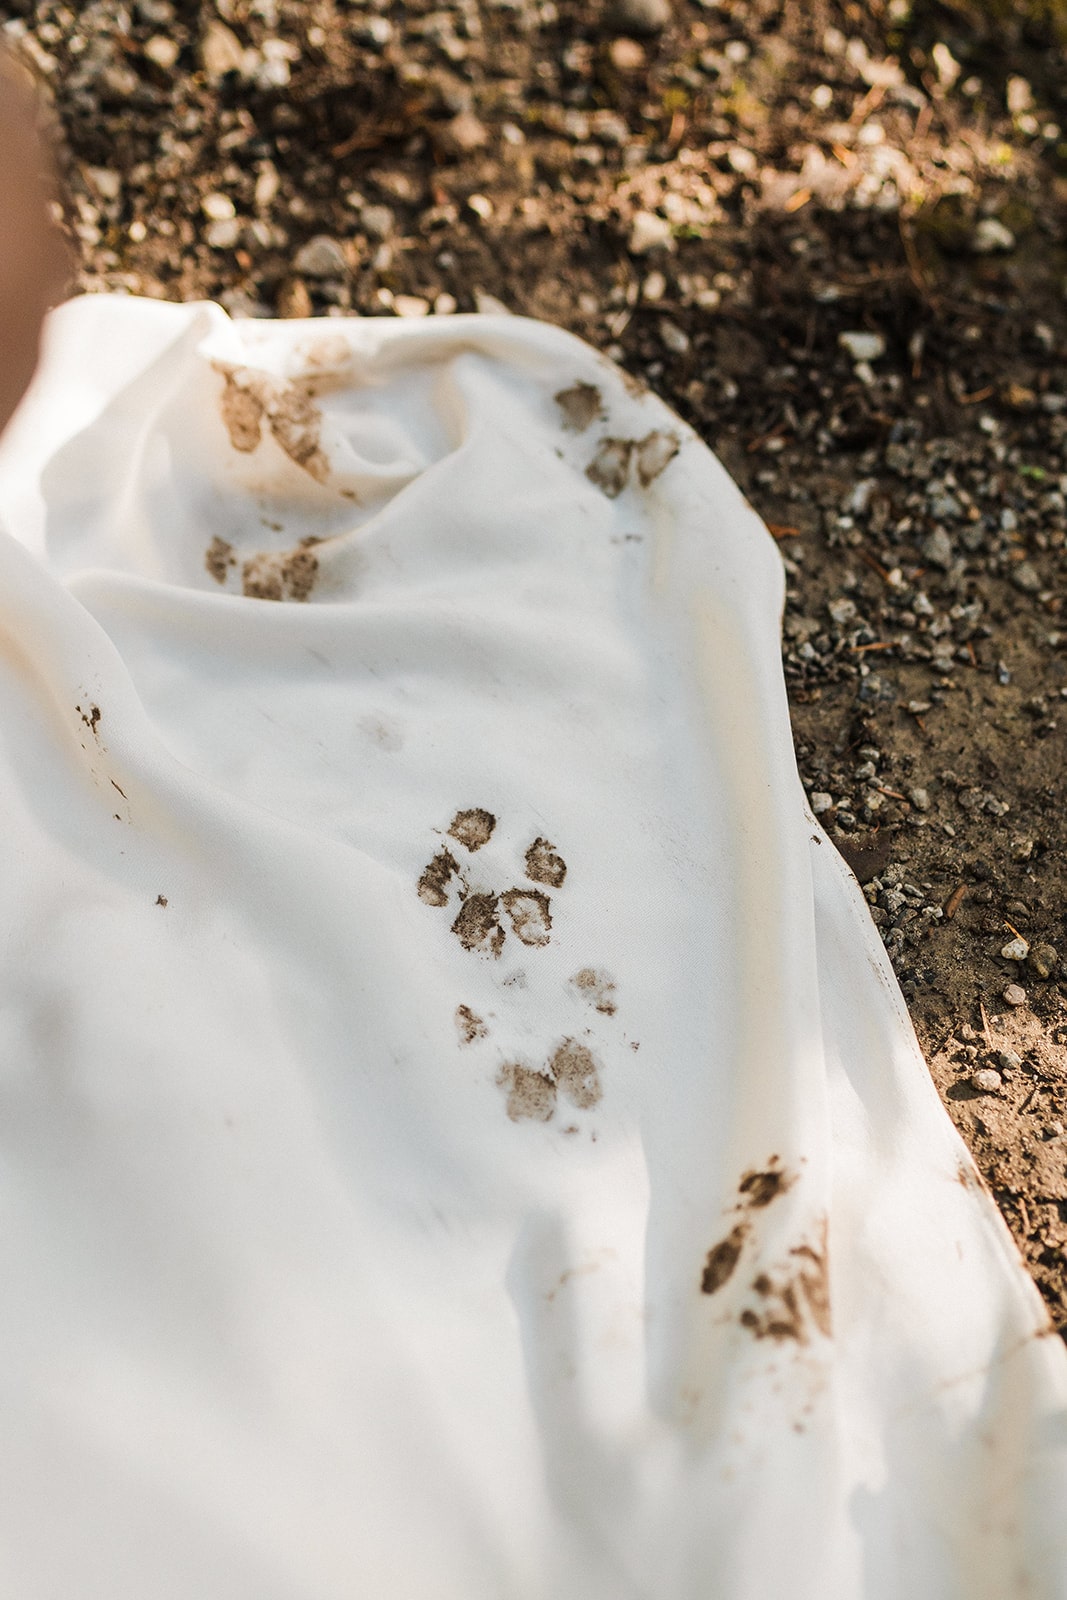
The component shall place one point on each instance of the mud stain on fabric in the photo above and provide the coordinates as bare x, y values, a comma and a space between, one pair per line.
281, 575
598, 988
722, 1259
794, 1301
580, 405
531, 1097
436, 878
576, 1072
477, 926
469, 1025
219, 558
760, 1188
610, 467
249, 398
472, 828
90, 717
242, 413
530, 913
572, 1071
654, 453
543, 864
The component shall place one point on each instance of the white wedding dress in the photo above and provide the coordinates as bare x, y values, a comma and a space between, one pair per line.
460, 1137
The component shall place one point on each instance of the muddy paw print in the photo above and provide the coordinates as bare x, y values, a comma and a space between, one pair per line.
572, 1071
486, 916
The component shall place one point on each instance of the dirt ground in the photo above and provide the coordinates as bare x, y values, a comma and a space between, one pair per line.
834, 237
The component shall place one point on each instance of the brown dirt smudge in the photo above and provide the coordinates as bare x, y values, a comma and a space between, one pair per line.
655, 452
472, 828
598, 988
477, 927
531, 1096
797, 1302
610, 467
530, 914
469, 1025
242, 413
575, 1070
286, 575
436, 877
543, 865
722, 1259
580, 405
219, 558
760, 1188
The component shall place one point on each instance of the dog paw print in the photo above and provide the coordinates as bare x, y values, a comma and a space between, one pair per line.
572, 1071
486, 916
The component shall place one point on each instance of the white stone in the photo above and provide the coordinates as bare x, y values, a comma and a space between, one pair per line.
163, 51
1016, 950
220, 51
862, 346
224, 234
218, 207
106, 182
991, 235
648, 232
675, 338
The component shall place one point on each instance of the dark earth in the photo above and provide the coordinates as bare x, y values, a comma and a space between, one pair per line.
834, 237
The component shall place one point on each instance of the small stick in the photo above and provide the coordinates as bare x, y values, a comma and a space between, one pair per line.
954, 901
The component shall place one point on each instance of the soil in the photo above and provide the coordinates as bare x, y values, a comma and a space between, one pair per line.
834, 237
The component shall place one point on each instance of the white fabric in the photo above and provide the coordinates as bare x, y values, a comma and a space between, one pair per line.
303, 1298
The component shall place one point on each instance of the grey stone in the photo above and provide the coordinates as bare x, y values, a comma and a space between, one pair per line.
321, 257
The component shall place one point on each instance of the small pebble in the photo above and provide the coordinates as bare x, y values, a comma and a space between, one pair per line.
987, 1080
1043, 960
1014, 994
378, 221
641, 17
626, 55
321, 257
218, 207
990, 236
821, 801
466, 133
648, 232
675, 338
1015, 950
163, 51
1009, 1060
221, 51
919, 799
938, 549
862, 346
224, 234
